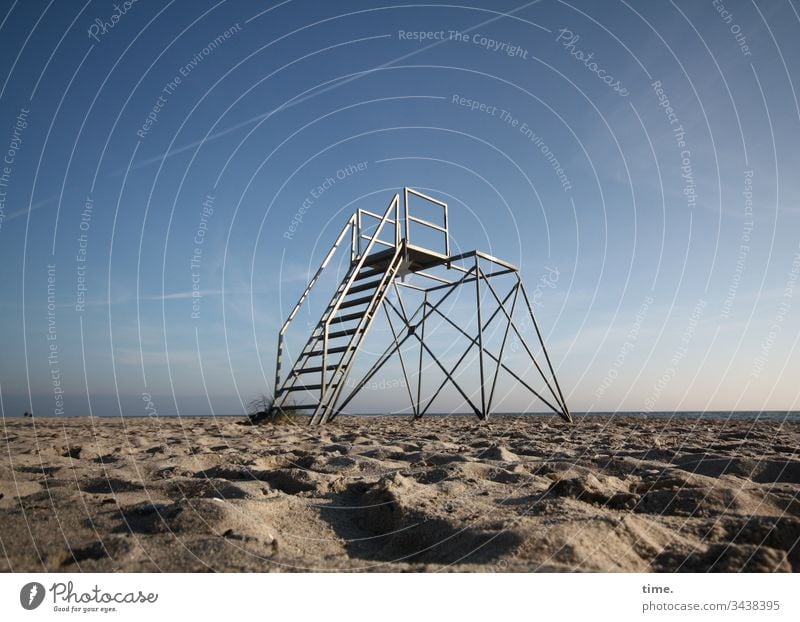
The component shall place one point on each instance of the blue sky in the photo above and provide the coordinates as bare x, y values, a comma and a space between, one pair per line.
674, 232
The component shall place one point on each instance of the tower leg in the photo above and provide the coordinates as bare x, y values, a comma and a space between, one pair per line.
563, 402
515, 290
396, 343
483, 414
417, 407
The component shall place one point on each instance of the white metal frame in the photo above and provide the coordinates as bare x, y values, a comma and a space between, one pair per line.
385, 265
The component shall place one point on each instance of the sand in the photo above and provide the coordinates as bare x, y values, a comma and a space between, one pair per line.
387, 494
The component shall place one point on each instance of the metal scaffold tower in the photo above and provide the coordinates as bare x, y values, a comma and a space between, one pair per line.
384, 259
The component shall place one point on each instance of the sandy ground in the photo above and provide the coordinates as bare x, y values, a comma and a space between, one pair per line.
380, 494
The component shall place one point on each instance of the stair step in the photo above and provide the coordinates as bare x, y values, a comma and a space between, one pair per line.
336, 350
300, 387
363, 287
381, 257
335, 298
312, 370
342, 333
355, 303
368, 273
349, 316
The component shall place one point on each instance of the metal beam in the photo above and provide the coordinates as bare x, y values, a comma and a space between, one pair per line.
546, 356
515, 289
382, 361
400, 354
525, 344
503, 365
461, 358
484, 414
419, 370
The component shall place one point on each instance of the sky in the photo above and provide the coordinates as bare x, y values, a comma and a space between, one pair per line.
638, 161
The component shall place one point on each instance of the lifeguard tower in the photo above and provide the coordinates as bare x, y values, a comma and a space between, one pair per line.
386, 257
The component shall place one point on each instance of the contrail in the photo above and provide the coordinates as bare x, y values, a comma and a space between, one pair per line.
294, 101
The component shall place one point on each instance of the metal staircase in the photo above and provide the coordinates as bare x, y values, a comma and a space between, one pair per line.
378, 256
338, 335
324, 363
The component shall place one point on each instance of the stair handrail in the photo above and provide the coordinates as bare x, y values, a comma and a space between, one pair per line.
394, 205
363, 236
382, 286
351, 225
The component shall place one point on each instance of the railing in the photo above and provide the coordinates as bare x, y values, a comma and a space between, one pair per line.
426, 223
402, 227
373, 239
351, 227
355, 227
381, 219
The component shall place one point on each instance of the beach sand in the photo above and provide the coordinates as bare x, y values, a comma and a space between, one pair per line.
388, 494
